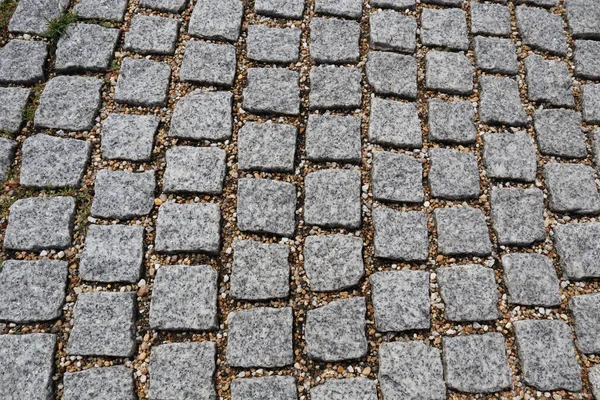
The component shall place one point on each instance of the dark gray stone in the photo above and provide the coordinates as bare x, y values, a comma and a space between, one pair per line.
335, 88
208, 63
219, 20
500, 102
264, 388
395, 123
451, 121
400, 235
541, 3
14, 100
509, 156
559, 133
397, 177
584, 18
86, 47
490, 19
444, 28
342, 389
496, 55
392, 30
334, 41
449, 72
548, 81
461, 231
276, 45
203, 115
107, 383
172, 6
340, 8
392, 74
447, 3
333, 138
272, 91
34, 16
112, 10
399, 5
150, 34
591, 103
123, 194
542, 30
518, 216
531, 280
336, 331
195, 170
586, 56
143, 83
578, 246
586, 316
453, 174
267, 146
7, 156
22, 61
572, 188
129, 137
280, 8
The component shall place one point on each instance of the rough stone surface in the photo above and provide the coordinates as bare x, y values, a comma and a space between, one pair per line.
400, 235
203, 115
453, 174
392, 74
143, 83
86, 47
111, 10
267, 146
509, 156
587, 54
129, 137
399, 5
451, 121
578, 246
280, 8
277, 45
531, 280
500, 102
584, 18
542, 30
462, 231
591, 103
490, 19
107, 383
208, 63
264, 388
559, 133
342, 389
572, 188
123, 194
334, 40
594, 377
397, 177
395, 123
22, 61
393, 31
444, 28
496, 55
548, 81
518, 216
34, 16
7, 156
586, 315
335, 88
272, 91
172, 6
14, 100
195, 170
151, 34
449, 72
333, 138
340, 8
220, 20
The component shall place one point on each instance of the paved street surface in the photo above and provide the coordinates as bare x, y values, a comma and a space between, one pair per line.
299, 199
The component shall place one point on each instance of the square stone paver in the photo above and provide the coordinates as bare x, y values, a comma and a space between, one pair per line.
476, 363
469, 293
273, 45
333, 138
49, 161
333, 262
591, 103
266, 387
393, 31
400, 235
208, 63
39, 223
103, 325
280, 8
496, 55
509, 156
453, 174
26, 366
266, 206
547, 355
22, 61
572, 188
220, 20
111, 10
586, 315
395, 123
11, 108
548, 81
578, 246
151, 34
195, 170
335, 88
203, 115
260, 271
123, 194
399, 5
129, 137
518, 216
340, 8
171, 6
449, 72
34, 16
531, 280
542, 30
500, 102
584, 18
397, 177
183, 371
143, 83
462, 231
272, 91
444, 28
188, 228
112, 253
594, 377
86, 47
401, 300
105, 383
267, 146
32, 291
342, 389
332, 198
8, 149
392, 74
451, 121
337, 331
184, 297
490, 19
587, 54
260, 337
559, 133
334, 40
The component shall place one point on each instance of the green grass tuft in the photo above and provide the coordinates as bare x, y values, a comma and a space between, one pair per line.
58, 26
7, 7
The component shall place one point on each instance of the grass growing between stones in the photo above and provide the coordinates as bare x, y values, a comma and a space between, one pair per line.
58, 26
7, 7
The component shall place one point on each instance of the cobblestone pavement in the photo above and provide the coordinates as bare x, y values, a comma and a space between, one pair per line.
300, 199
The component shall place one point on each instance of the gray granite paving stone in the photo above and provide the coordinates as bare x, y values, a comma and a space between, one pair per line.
333, 262
183, 371
112, 253
14, 100
26, 366
469, 293
188, 228
490, 19
260, 271
49, 161
266, 206
184, 297
129, 137
586, 56
531, 280
267, 146
195, 170
70, 103
336, 331
572, 188
496, 55
451, 121
547, 355
335, 88
392, 74
595, 147
453, 174
106, 383
395, 123
86, 47
276, 45
34, 16
272, 91
400, 235
264, 388
150, 34
449, 72
22, 61
333, 138
401, 300
542, 30
392, 30
594, 377
578, 246
518, 216
342, 389
447, 3
500, 102
559, 133
111, 10
340, 8
399, 5
280, 8
584, 18
219, 20
591, 103
143, 83
444, 28
397, 177
334, 41
586, 316
541, 3
172, 6
7, 156
123, 194
476, 363
548, 81
203, 115
32, 290
38, 223
509, 156
103, 325
208, 63
260, 337
411, 371
332, 198
462, 231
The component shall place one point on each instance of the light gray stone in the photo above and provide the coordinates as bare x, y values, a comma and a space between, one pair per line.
333, 138
400, 235
542, 30
219, 20
392, 74
451, 121
586, 316
276, 45
559, 133
39, 223
399, 5
123, 194
49, 161
449, 72
172, 6
509, 156
578, 246
22, 61
112, 253
584, 18
7, 156
334, 40
572, 188
260, 337
259, 271
462, 231
397, 177
548, 81
333, 262
103, 325
453, 174
342, 389
541, 3
340, 8
203, 115
272, 91
591, 103
280, 8
266, 206
444, 28
14, 100
395, 123
335, 88
195, 170
500, 102
531, 280
264, 388
267, 146
129, 137
106, 383
143, 83
188, 228
547, 355
595, 148
586, 56
332, 198
184, 297
518, 216
336, 331
496, 55
490, 19
594, 378
34, 16
86, 47
392, 30
150, 34
112, 10
208, 63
